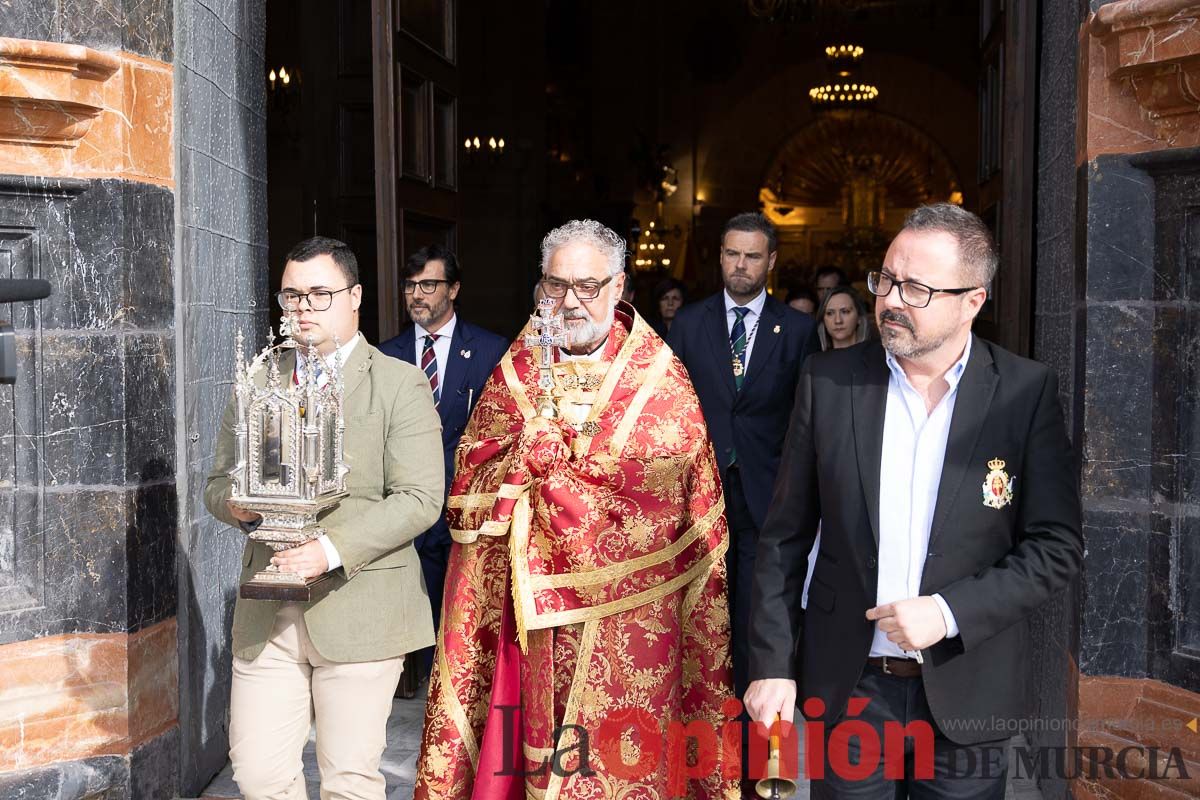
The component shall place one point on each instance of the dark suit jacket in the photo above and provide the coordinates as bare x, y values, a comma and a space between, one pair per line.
465, 377
754, 419
993, 567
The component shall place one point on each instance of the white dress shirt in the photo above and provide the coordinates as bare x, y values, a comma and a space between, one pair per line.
343, 352
910, 471
751, 322
343, 356
441, 346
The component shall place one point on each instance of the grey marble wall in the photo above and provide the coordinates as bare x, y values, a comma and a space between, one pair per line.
222, 281
137, 26
102, 777
88, 433
1140, 333
88, 507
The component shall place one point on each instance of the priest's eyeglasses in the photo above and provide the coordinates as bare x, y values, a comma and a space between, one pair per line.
912, 293
318, 299
584, 290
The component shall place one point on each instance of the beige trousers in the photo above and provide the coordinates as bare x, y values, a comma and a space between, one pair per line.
274, 701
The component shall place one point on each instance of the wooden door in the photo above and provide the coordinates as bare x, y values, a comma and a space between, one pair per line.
320, 134
416, 138
1007, 162
344, 115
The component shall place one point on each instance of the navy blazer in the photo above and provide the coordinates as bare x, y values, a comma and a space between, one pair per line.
755, 419
474, 353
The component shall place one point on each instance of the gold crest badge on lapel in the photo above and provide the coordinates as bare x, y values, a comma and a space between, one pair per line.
997, 486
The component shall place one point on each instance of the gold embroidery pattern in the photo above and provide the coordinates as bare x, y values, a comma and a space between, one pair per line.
644, 393
582, 665
514, 386
633, 342
618, 571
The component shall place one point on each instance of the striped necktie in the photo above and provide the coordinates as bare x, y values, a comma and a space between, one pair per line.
430, 366
737, 345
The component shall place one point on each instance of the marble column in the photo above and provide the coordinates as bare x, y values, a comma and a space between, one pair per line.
88, 510
1135, 345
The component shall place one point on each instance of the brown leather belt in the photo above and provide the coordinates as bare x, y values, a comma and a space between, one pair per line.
900, 667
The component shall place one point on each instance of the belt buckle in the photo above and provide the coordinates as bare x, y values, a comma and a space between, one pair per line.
886, 671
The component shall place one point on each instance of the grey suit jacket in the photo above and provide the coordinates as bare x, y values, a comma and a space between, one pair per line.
375, 606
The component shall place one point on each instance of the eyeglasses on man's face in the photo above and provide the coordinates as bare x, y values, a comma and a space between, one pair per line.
584, 290
912, 293
318, 299
428, 286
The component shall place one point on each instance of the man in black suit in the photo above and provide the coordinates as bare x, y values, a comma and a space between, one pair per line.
939, 469
743, 349
458, 358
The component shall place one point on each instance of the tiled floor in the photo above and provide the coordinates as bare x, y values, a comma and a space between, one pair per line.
400, 760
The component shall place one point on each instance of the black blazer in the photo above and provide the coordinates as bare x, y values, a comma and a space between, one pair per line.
993, 567
474, 353
754, 419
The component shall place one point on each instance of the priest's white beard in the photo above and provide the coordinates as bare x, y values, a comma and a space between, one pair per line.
589, 334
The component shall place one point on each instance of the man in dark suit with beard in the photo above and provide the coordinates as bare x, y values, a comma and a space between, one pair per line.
743, 350
939, 469
457, 358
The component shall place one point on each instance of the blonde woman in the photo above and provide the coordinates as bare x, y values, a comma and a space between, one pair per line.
843, 319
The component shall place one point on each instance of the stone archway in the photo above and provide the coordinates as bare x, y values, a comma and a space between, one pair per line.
840, 187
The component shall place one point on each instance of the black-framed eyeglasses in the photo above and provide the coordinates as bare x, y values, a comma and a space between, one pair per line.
584, 290
428, 286
912, 293
318, 299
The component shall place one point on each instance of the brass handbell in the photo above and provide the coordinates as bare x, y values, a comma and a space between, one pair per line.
773, 786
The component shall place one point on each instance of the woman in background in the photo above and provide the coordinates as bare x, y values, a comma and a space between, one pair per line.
842, 319
669, 296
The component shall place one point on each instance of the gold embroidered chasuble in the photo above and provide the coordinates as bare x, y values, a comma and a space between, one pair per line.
586, 583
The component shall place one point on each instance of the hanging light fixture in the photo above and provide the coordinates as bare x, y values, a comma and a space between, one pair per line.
845, 89
650, 252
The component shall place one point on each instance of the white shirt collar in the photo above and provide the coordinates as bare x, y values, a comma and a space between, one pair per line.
446, 330
755, 305
342, 355
952, 375
566, 355
345, 350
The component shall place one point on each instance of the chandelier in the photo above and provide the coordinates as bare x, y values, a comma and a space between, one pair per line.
650, 254
845, 89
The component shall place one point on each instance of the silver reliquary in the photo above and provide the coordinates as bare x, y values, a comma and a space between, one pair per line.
289, 468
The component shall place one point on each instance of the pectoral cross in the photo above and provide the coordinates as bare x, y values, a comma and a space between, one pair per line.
551, 332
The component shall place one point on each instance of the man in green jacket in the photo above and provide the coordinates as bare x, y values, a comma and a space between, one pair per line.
336, 660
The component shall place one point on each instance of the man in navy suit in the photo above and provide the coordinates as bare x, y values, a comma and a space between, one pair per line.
458, 358
743, 350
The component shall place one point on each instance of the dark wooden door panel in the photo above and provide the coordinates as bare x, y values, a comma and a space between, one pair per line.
1007, 148
416, 138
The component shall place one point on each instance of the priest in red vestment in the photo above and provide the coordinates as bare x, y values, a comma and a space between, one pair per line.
584, 644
